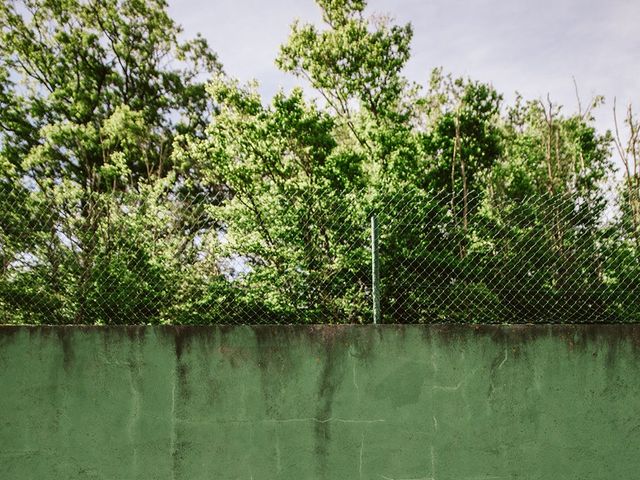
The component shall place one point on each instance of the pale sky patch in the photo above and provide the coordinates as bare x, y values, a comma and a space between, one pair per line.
533, 47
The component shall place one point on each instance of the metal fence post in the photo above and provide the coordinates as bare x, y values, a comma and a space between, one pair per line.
375, 269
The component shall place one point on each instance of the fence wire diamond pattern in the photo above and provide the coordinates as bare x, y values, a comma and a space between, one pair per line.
305, 257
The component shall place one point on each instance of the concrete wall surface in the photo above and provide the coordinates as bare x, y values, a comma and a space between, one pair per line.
320, 402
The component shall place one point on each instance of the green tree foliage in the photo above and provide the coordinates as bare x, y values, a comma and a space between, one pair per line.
93, 95
355, 64
94, 84
563, 162
289, 220
132, 192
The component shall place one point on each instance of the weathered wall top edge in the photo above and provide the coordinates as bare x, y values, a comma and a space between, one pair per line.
435, 328
267, 337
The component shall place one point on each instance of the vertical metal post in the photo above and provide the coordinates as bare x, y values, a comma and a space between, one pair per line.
375, 269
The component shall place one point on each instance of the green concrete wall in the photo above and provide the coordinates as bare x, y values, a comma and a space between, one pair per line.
350, 402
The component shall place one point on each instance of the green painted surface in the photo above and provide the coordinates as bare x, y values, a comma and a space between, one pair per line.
385, 402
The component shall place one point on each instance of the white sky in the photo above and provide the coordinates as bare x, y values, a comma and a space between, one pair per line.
532, 46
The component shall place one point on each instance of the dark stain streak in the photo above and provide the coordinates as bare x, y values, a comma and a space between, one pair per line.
335, 341
273, 356
182, 373
8, 331
181, 340
64, 337
136, 333
184, 338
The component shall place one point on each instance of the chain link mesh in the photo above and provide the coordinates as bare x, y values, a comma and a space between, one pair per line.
480, 259
304, 256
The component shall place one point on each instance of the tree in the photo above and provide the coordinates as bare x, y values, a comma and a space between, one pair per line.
291, 222
628, 149
355, 64
94, 94
545, 213
464, 140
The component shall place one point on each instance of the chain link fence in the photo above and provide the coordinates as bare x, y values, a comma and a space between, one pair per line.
305, 256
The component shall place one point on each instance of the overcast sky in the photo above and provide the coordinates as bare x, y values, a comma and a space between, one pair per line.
534, 47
